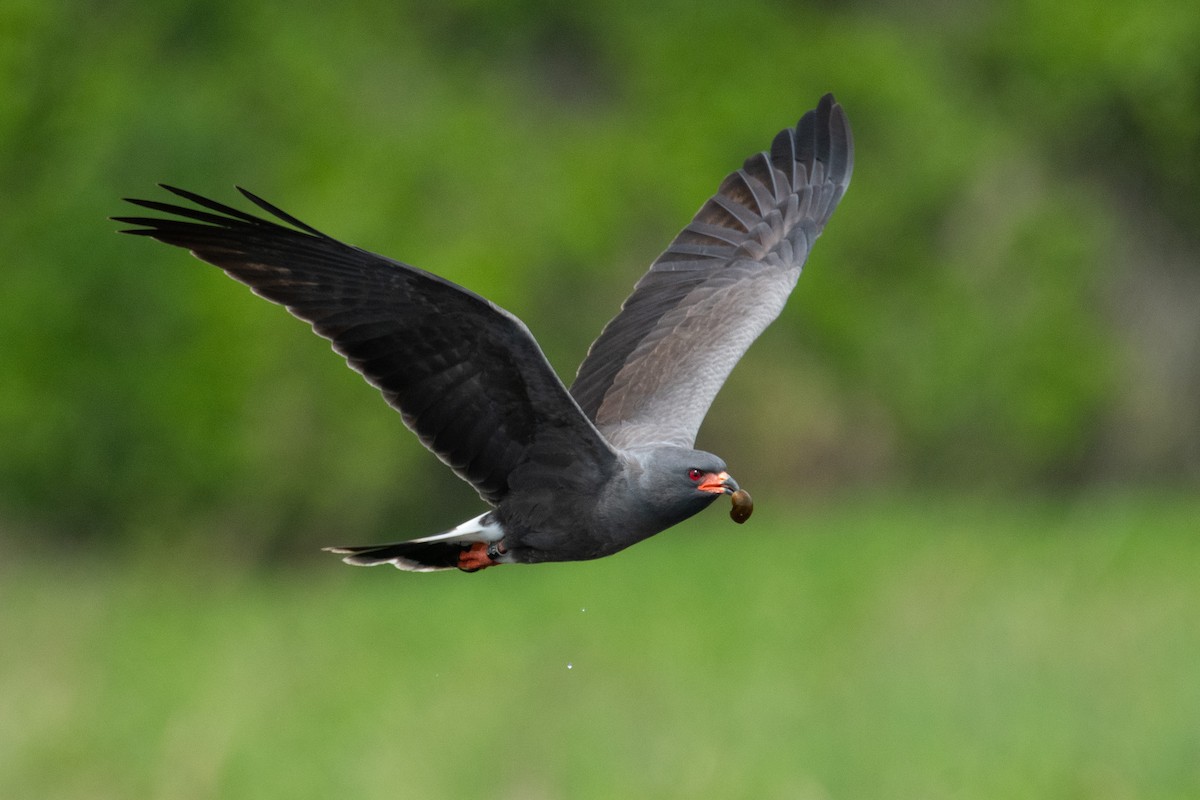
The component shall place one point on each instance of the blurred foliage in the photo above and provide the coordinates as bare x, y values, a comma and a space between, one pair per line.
916, 649
1006, 298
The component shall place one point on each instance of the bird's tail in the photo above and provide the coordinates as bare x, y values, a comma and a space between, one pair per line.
415, 556
432, 553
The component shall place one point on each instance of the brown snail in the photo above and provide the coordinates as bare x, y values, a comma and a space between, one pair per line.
743, 506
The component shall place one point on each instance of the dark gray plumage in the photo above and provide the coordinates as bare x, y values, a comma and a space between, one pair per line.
569, 475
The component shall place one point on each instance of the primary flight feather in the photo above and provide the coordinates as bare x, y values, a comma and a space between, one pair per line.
569, 475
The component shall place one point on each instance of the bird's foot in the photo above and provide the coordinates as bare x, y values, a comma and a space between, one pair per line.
480, 555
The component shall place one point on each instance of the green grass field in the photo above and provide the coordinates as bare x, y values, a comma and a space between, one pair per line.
906, 648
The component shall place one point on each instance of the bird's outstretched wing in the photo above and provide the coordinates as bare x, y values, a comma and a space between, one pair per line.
466, 375
653, 373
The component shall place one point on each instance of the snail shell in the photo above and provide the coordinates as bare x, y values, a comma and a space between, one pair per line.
743, 506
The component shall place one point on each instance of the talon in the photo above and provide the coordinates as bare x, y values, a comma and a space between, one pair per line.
480, 555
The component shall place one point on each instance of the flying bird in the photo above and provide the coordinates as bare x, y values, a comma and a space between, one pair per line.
571, 474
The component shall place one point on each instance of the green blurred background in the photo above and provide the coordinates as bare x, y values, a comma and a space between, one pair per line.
973, 435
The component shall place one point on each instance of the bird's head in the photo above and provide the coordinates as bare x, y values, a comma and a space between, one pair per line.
677, 482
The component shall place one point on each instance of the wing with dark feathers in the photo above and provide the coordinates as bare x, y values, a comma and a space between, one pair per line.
653, 373
465, 375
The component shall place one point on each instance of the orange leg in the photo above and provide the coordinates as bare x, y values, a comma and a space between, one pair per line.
476, 557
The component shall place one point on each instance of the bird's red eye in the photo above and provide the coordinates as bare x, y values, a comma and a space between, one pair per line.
694, 475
